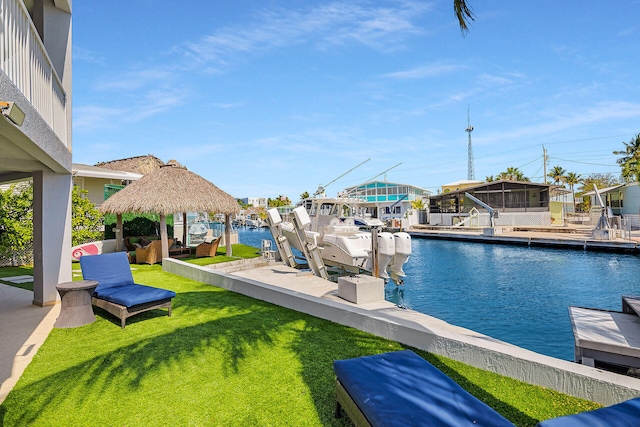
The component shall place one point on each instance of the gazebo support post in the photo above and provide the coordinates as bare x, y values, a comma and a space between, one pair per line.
227, 233
184, 229
119, 232
163, 236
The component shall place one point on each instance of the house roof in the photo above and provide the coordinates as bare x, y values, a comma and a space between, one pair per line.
88, 171
139, 164
604, 190
462, 182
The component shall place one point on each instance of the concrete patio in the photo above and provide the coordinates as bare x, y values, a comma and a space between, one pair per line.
23, 329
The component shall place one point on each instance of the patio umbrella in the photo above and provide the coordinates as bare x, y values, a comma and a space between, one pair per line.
170, 189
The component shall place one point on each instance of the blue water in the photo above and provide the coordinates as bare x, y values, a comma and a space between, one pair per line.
517, 294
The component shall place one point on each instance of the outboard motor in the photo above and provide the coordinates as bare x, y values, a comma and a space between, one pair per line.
386, 251
403, 250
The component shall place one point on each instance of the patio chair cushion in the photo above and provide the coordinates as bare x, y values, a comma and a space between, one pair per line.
625, 414
108, 269
401, 388
132, 295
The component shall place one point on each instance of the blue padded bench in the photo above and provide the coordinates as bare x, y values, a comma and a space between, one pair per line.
116, 292
402, 389
625, 414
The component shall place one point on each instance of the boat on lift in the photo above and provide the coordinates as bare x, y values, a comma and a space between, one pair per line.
344, 245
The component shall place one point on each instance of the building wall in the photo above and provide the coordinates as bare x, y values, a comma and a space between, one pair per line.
94, 187
34, 150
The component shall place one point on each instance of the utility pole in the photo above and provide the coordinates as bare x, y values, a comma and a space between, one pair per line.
471, 175
544, 161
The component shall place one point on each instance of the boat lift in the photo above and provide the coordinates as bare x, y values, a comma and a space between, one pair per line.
492, 212
602, 231
309, 249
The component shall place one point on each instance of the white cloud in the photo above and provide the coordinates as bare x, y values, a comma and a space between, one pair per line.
426, 71
333, 24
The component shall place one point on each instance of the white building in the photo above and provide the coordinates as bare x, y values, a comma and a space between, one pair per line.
389, 200
258, 202
35, 128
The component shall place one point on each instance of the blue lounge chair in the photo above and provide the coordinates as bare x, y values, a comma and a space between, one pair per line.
116, 292
625, 414
402, 389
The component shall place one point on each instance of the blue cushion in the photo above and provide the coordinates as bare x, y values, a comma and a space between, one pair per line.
625, 414
130, 295
108, 269
402, 389
115, 281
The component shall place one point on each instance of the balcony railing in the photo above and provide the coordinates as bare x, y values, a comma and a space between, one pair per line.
25, 61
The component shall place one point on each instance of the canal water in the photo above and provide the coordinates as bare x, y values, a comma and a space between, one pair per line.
517, 294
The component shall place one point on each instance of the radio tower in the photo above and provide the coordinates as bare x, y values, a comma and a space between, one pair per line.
471, 175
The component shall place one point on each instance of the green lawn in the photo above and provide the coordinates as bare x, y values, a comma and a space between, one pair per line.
222, 359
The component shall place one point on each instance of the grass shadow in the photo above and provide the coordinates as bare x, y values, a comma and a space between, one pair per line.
136, 359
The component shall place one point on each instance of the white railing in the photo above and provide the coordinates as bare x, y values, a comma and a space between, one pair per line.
25, 61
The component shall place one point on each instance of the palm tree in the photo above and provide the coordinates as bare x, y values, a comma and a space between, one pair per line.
464, 14
572, 179
630, 160
512, 174
489, 178
557, 174
418, 204
304, 195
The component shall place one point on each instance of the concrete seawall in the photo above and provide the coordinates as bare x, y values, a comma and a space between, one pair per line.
287, 287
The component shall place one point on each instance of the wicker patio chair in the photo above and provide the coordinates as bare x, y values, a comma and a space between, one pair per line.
152, 254
207, 249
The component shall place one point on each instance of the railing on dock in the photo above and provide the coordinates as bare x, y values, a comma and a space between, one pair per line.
24, 59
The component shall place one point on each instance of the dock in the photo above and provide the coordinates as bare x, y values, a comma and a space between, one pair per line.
607, 337
554, 237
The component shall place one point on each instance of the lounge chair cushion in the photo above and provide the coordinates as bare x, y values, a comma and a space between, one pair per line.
115, 281
108, 269
132, 295
401, 388
625, 414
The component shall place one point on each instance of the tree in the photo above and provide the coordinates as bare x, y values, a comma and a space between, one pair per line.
86, 219
304, 195
572, 179
278, 201
600, 180
489, 178
464, 14
512, 174
557, 174
418, 204
16, 220
630, 160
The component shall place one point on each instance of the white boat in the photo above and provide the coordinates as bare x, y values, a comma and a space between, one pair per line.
344, 245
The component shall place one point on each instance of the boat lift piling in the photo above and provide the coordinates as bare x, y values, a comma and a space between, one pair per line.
310, 250
274, 220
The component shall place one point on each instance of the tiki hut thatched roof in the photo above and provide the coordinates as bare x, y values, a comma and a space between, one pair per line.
168, 190
142, 165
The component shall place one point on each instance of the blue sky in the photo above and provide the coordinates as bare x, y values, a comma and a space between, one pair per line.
265, 97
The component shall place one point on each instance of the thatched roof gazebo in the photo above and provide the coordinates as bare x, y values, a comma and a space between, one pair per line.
170, 189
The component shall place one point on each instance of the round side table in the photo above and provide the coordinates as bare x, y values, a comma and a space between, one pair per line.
76, 307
